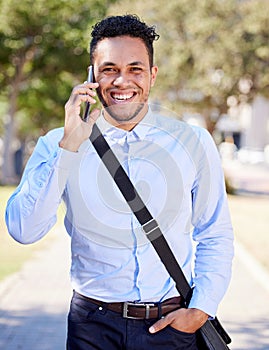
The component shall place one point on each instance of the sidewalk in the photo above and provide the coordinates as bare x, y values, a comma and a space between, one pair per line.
34, 303
244, 311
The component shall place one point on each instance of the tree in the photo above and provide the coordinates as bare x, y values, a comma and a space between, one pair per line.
208, 52
43, 54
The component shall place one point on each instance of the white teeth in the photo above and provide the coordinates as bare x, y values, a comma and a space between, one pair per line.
122, 97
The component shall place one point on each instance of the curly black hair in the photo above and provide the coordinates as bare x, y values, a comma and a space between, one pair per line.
129, 25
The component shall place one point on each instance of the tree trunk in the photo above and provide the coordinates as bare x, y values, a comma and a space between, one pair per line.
9, 176
8, 170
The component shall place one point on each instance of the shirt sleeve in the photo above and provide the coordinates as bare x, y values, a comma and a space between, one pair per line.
212, 232
32, 209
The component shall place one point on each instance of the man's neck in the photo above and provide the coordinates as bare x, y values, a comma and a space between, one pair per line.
125, 125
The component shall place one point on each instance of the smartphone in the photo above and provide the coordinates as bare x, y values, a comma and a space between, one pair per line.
90, 79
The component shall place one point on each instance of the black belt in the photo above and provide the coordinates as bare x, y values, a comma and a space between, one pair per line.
139, 310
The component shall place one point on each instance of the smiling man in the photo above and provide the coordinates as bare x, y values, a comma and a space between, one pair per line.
125, 76
123, 296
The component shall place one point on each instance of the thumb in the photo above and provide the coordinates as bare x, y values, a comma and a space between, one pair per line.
94, 116
159, 325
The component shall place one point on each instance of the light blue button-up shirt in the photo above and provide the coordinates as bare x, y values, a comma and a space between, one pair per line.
175, 168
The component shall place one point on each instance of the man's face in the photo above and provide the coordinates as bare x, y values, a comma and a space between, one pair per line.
122, 69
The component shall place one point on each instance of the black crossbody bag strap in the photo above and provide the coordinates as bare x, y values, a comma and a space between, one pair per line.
154, 234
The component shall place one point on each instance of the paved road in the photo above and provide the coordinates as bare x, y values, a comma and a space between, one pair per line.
245, 308
34, 303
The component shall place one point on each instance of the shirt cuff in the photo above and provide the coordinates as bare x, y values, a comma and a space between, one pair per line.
65, 158
202, 302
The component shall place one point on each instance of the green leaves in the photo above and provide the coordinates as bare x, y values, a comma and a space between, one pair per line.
44, 53
206, 48
42, 43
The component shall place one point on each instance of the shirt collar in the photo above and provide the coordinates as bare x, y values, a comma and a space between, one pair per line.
138, 132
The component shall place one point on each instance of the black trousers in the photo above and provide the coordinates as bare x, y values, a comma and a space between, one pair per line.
93, 327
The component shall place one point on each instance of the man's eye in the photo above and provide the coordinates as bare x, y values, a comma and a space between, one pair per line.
109, 69
136, 69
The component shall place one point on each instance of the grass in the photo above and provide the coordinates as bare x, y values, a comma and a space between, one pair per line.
12, 253
250, 217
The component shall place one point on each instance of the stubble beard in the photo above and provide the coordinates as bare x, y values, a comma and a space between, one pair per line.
116, 111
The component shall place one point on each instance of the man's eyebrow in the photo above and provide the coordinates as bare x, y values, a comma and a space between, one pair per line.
107, 63
135, 63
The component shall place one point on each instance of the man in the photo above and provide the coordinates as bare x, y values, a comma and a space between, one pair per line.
177, 172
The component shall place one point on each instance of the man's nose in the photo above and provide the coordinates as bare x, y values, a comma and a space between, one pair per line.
121, 79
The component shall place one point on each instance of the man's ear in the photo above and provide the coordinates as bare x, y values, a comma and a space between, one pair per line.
154, 71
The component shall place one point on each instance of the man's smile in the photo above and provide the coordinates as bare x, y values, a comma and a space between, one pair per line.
120, 97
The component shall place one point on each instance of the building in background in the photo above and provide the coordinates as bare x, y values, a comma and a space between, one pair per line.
248, 126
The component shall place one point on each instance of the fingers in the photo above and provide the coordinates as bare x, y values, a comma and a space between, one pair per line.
186, 320
85, 92
85, 88
93, 116
77, 131
159, 325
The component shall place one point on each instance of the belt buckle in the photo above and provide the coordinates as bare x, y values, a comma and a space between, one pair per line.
126, 304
